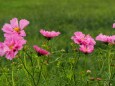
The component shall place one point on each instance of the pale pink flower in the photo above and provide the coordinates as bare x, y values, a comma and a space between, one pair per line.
13, 44
78, 37
112, 39
86, 49
105, 38
102, 38
40, 51
15, 27
49, 34
113, 25
88, 40
2, 49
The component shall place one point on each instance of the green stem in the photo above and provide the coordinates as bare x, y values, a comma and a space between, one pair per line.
28, 73
74, 66
78, 58
13, 84
25, 59
39, 76
101, 69
32, 64
109, 67
85, 63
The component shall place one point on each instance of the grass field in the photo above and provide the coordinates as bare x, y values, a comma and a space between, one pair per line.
66, 67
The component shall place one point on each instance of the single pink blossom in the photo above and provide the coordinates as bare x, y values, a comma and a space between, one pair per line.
78, 37
112, 39
113, 25
88, 40
15, 27
13, 44
105, 38
40, 51
49, 34
102, 38
2, 49
86, 49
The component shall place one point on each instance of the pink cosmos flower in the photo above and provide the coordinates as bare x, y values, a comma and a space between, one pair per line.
13, 44
49, 34
105, 38
15, 27
80, 38
88, 40
86, 49
113, 38
113, 25
40, 51
2, 49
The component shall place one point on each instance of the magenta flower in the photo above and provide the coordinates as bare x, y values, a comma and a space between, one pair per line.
15, 28
13, 44
2, 49
88, 40
80, 38
105, 38
40, 51
86, 49
113, 25
49, 34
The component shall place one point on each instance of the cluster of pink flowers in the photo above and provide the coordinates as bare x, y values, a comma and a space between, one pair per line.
14, 38
86, 42
106, 39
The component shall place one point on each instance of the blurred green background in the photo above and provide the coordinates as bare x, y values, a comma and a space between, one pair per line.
67, 16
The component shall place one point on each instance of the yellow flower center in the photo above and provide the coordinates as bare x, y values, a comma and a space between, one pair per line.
11, 47
17, 29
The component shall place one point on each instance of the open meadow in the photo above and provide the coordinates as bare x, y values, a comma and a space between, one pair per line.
65, 64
